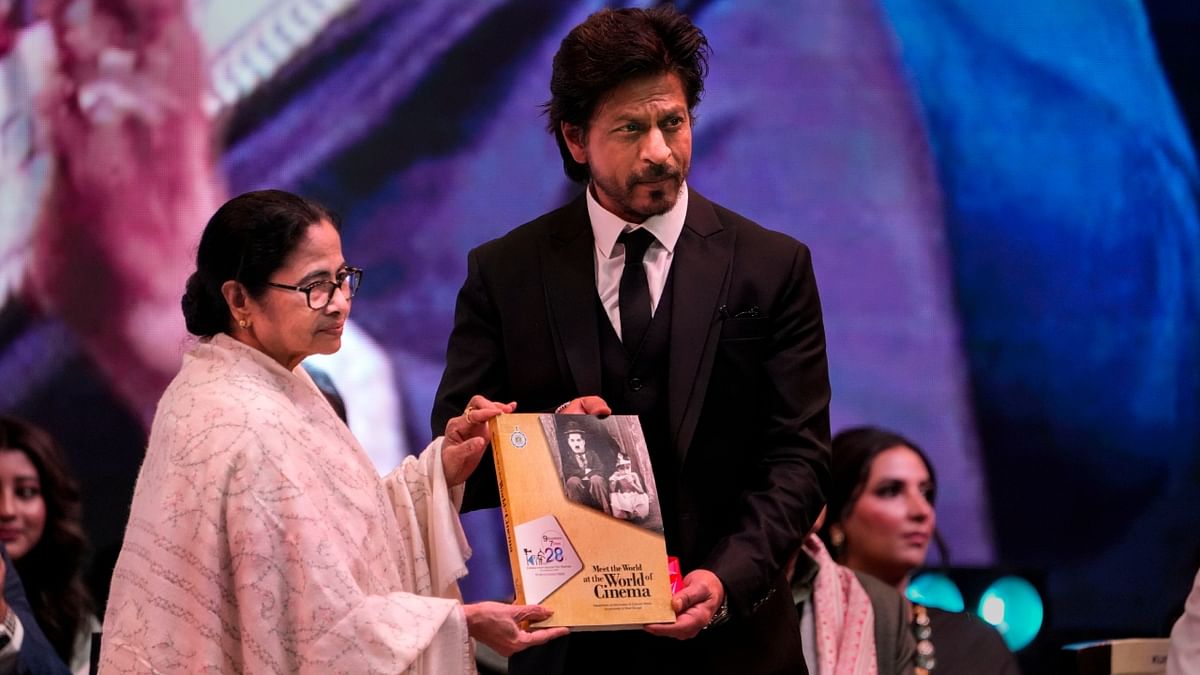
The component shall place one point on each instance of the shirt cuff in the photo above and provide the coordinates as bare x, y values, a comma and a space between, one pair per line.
15, 634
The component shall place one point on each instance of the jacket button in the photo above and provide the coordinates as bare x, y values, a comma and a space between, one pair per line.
635, 383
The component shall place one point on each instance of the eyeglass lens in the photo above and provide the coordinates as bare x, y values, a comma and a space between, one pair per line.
320, 294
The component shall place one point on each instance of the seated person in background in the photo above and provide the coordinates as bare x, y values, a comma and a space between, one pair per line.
881, 520
23, 648
626, 494
261, 539
832, 601
1184, 655
41, 526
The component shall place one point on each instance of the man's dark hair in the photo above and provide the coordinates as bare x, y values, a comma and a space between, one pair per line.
611, 47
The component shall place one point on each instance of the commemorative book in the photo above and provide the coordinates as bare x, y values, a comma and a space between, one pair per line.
582, 518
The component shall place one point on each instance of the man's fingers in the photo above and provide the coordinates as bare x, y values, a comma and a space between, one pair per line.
586, 405
594, 405
685, 627
659, 629
690, 596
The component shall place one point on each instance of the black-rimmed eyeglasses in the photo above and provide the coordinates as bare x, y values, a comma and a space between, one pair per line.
320, 293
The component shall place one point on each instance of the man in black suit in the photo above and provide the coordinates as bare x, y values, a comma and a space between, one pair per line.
643, 297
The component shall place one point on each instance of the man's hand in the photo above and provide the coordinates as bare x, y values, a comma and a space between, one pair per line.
467, 437
134, 173
498, 625
586, 405
694, 605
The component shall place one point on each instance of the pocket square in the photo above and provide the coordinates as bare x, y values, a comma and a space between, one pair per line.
751, 312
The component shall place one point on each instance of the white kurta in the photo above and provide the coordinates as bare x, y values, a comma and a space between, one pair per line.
261, 539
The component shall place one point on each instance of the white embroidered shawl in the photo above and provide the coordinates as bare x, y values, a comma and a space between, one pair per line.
261, 539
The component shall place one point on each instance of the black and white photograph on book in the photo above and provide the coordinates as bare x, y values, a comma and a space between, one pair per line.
604, 464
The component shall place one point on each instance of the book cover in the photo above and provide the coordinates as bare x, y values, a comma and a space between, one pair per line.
582, 517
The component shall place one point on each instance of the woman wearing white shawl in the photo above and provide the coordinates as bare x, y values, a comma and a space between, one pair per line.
261, 540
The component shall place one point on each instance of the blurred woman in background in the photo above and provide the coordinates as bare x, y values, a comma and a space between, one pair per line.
41, 526
881, 521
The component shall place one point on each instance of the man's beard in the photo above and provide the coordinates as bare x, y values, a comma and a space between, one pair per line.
661, 200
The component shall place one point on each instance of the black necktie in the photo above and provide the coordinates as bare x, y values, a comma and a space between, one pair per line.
634, 298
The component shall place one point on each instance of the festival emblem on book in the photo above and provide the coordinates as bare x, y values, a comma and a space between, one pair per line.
582, 515
547, 558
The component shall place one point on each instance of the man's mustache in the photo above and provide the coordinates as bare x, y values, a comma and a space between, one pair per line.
655, 172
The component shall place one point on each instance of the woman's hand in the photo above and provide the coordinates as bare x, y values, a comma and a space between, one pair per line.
498, 625
467, 437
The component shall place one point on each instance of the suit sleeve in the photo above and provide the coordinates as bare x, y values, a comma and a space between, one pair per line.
475, 364
791, 474
36, 655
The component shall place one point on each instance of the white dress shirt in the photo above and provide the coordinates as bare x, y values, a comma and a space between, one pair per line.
610, 256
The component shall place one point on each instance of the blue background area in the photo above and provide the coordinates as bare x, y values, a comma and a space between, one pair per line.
1070, 186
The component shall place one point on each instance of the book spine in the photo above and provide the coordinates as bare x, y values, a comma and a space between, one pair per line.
509, 531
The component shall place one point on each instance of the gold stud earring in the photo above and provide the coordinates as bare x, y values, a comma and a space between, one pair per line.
837, 537
243, 323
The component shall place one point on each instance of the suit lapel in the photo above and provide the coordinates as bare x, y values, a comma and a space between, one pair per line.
700, 271
571, 292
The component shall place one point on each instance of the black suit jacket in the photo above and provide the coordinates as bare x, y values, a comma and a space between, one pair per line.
571, 468
748, 392
36, 657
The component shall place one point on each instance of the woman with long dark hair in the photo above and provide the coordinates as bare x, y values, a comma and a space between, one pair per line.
41, 526
881, 521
